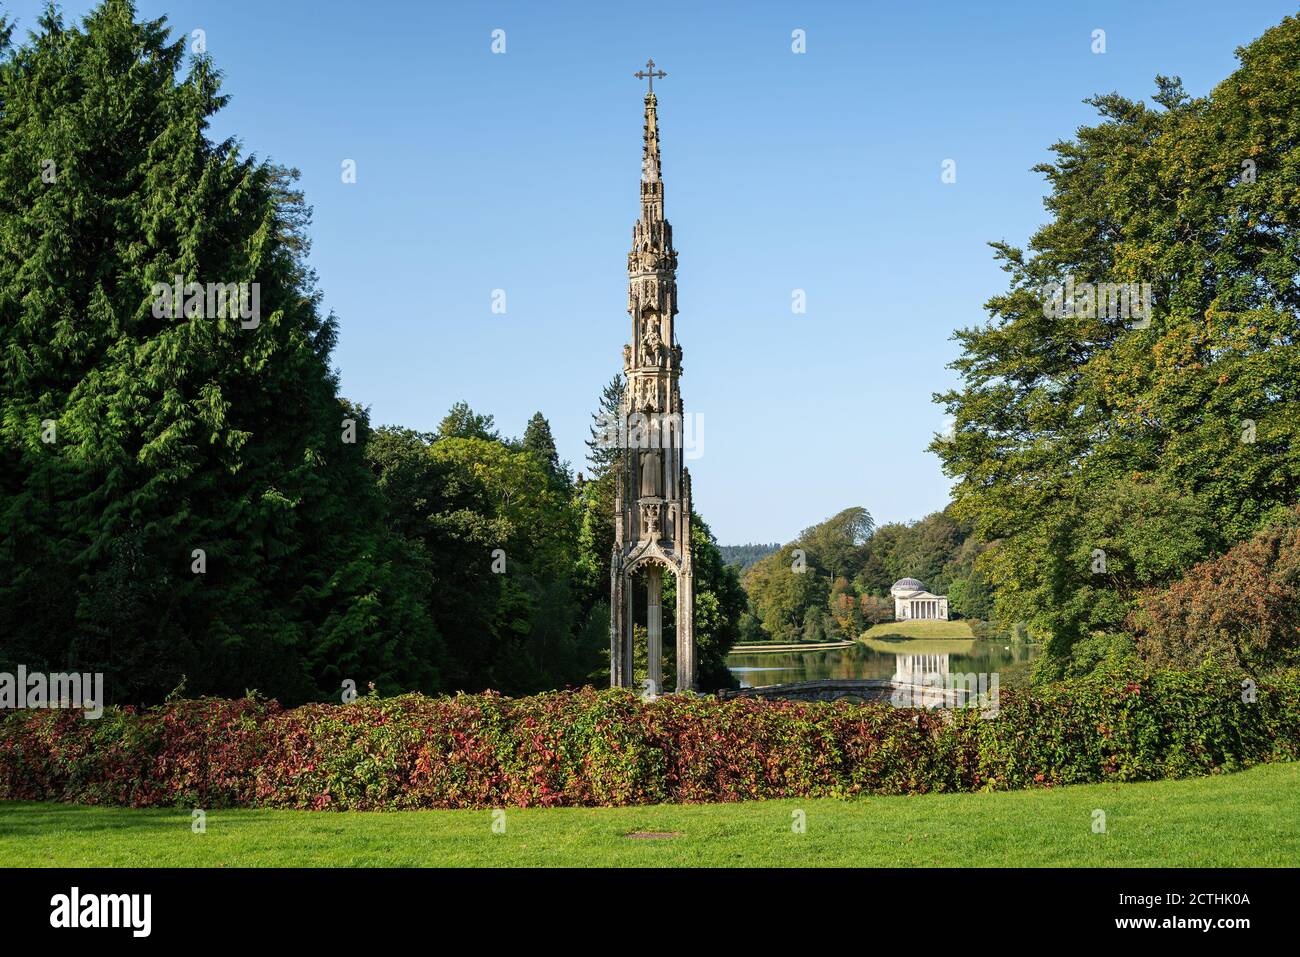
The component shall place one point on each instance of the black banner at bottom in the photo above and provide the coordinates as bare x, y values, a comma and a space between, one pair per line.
340, 906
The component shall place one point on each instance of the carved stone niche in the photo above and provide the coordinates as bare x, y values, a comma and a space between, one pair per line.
651, 520
651, 466
648, 394
652, 349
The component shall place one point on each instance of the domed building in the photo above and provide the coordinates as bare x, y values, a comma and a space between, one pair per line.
912, 602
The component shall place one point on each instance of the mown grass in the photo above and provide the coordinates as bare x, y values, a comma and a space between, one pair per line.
1247, 819
928, 628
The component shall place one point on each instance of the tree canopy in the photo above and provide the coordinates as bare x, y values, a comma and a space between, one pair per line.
834, 580
1098, 451
183, 490
185, 496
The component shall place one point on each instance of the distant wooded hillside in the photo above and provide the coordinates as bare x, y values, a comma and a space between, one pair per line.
833, 581
742, 557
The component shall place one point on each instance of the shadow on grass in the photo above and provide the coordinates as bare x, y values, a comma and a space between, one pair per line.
39, 819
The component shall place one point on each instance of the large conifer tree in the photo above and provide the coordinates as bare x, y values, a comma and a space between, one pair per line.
180, 494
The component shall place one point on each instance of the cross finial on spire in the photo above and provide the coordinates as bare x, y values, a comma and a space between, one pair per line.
650, 73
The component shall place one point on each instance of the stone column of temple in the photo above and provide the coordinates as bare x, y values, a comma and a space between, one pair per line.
655, 629
629, 634
685, 633
686, 618
616, 620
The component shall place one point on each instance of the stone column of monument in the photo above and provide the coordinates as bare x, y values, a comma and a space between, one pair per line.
652, 531
654, 626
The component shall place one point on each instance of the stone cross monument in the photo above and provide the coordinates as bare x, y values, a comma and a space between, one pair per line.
652, 524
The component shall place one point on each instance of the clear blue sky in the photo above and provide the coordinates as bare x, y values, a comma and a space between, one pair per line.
818, 171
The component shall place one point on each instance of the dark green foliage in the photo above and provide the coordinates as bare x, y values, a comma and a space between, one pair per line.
539, 441
719, 603
183, 492
814, 625
743, 557
935, 550
1156, 444
129, 439
497, 536
518, 563
602, 445
971, 596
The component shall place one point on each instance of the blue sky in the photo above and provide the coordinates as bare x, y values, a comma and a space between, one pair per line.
817, 171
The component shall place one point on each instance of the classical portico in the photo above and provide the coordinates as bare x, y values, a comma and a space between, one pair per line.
912, 601
652, 525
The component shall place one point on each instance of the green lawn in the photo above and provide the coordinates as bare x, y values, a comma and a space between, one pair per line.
927, 628
920, 638
1250, 819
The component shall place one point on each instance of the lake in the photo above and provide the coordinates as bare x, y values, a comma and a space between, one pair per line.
881, 659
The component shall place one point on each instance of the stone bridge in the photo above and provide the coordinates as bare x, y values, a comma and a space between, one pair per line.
856, 689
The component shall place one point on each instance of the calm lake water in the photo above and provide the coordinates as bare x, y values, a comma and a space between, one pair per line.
909, 659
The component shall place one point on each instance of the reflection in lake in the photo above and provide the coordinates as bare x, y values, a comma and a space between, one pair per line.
912, 662
914, 669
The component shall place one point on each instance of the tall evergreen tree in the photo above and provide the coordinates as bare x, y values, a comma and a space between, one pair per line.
602, 446
596, 504
183, 491
539, 442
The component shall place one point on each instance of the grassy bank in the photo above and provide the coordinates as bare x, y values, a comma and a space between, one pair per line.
909, 630
1239, 819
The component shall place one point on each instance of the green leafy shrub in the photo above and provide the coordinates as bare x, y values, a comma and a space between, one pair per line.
1241, 608
608, 748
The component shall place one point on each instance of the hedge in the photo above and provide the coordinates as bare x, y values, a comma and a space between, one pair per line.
607, 748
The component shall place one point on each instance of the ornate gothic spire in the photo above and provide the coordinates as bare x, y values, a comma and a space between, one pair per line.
652, 531
650, 168
652, 186
652, 236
